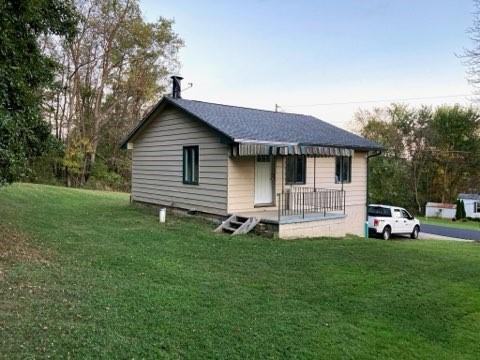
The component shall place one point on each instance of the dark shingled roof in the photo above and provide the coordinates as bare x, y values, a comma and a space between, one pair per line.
239, 123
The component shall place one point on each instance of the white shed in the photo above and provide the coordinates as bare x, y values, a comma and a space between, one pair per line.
445, 211
472, 204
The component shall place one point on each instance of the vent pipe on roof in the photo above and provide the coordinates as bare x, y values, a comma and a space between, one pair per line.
176, 87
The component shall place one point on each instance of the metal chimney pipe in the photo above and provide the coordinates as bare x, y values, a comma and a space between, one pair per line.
176, 87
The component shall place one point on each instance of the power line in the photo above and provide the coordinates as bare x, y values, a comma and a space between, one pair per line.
378, 101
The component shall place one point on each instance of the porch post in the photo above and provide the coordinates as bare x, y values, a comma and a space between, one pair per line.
314, 173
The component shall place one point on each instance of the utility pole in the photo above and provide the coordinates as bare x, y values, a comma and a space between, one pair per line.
276, 107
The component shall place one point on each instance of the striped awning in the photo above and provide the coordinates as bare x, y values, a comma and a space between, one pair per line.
252, 148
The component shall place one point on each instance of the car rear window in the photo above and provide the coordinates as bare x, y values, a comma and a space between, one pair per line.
379, 211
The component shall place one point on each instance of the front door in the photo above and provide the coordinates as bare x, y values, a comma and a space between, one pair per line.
263, 180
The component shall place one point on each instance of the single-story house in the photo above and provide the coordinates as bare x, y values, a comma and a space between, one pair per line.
472, 204
440, 210
298, 174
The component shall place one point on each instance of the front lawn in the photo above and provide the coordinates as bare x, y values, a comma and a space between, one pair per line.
84, 274
460, 224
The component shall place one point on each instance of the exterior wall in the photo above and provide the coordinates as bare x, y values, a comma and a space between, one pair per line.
157, 164
241, 185
470, 208
329, 228
445, 213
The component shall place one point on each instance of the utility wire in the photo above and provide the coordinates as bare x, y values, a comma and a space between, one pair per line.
378, 101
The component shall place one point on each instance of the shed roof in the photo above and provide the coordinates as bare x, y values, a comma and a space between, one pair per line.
241, 124
465, 196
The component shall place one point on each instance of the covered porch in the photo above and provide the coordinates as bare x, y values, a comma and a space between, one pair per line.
285, 183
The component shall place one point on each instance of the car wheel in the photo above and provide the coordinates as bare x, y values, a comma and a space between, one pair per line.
414, 234
387, 232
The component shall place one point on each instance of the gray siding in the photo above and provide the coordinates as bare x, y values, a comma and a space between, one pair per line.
157, 164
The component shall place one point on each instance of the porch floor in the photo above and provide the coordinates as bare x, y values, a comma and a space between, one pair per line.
271, 216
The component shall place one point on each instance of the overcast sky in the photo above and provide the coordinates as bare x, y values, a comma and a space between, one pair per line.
300, 53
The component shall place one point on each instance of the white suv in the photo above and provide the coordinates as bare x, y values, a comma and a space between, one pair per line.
388, 220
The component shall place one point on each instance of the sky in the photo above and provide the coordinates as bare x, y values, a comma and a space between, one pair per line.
312, 57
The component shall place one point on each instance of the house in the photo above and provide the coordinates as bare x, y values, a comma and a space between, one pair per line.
472, 204
294, 173
440, 210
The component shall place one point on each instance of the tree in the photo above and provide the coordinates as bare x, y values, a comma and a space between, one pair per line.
455, 143
113, 70
25, 71
460, 210
431, 155
472, 56
397, 177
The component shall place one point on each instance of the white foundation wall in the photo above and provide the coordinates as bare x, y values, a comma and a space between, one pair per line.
309, 229
352, 223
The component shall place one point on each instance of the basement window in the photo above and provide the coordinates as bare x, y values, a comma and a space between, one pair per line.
343, 169
190, 165
296, 170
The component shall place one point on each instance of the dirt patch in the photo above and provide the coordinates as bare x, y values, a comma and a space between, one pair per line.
15, 246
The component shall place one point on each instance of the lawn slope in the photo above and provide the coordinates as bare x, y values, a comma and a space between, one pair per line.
87, 275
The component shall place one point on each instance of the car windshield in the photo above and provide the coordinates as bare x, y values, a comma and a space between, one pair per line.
379, 211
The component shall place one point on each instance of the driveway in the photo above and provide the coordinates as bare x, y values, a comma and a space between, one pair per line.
450, 232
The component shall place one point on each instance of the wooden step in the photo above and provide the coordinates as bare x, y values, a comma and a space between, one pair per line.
236, 225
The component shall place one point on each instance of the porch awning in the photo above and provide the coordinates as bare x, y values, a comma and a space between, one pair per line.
251, 148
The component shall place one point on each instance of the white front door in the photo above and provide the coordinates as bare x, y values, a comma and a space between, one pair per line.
263, 180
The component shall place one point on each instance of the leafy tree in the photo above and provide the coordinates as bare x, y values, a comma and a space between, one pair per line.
397, 176
113, 70
455, 144
431, 154
24, 72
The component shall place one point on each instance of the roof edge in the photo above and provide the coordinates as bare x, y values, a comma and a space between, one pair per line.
162, 103
141, 123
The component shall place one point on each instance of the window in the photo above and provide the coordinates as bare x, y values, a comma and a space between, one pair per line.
296, 170
190, 165
406, 215
343, 169
379, 211
476, 207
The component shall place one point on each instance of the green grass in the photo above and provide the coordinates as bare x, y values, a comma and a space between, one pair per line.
462, 224
85, 274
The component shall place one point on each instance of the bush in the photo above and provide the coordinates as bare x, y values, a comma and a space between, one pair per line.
102, 178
